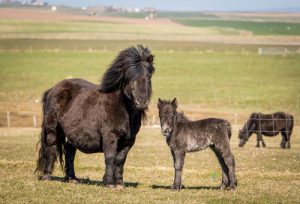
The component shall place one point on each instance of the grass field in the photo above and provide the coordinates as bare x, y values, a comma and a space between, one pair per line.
233, 80
269, 175
225, 79
257, 28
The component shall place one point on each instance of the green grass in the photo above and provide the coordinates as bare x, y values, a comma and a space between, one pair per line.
269, 175
257, 28
168, 14
194, 77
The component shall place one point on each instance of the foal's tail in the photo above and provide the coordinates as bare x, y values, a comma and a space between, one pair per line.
228, 127
51, 141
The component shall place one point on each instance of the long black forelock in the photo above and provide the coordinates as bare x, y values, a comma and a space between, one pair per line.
126, 67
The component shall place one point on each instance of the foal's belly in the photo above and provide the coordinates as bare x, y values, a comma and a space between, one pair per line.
193, 145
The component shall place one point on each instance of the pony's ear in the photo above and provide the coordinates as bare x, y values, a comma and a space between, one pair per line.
174, 102
150, 59
159, 101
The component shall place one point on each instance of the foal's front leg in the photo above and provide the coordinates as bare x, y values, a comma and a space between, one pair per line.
178, 159
110, 152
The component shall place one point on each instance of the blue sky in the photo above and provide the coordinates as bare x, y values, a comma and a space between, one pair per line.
224, 5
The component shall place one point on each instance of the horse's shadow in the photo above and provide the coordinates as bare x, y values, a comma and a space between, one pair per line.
187, 188
87, 181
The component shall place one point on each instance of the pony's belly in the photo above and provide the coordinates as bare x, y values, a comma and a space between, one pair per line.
270, 133
87, 143
90, 149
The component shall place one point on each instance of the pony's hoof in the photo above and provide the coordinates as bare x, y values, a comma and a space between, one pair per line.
46, 177
120, 186
74, 181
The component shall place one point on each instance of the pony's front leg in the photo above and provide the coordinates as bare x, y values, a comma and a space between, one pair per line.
258, 139
119, 169
178, 158
110, 153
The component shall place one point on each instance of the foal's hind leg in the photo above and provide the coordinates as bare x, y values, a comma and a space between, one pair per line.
225, 179
223, 148
69, 159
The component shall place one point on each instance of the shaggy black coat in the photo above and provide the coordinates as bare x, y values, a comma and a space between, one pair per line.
184, 135
92, 118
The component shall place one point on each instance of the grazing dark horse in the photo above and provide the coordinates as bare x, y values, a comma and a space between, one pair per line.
268, 125
184, 135
92, 118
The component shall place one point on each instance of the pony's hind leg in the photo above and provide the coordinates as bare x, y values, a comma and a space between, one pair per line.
47, 156
69, 159
284, 139
225, 179
286, 135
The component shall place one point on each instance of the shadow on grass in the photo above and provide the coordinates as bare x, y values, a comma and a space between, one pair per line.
87, 181
187, 188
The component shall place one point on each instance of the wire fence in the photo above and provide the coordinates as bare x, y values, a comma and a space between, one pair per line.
269, 125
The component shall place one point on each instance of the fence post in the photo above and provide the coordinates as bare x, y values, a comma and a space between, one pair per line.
34, 120
8, 118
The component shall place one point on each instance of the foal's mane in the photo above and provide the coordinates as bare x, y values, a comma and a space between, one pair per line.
181, 117
129, 61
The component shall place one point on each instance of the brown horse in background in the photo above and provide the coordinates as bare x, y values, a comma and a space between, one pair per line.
269, 125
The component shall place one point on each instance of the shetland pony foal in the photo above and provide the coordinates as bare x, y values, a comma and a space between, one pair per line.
184, 136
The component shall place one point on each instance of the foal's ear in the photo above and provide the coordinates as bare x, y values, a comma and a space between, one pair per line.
150, 59
174, 102
159, 101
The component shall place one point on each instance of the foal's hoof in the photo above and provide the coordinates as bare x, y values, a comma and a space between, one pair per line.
223, 186
176, 187
110, 186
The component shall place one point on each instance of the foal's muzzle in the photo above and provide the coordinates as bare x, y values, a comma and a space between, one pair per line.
166, 130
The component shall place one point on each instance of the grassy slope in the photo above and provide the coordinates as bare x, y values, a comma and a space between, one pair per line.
264, 175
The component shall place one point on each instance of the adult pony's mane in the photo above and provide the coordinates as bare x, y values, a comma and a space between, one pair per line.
125, 67
248, 123
181, 117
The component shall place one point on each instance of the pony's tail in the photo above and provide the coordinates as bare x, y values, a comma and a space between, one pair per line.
51, 145
292, 124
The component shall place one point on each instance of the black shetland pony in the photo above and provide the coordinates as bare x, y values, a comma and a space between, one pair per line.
92, 118
184, 135
268, 125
